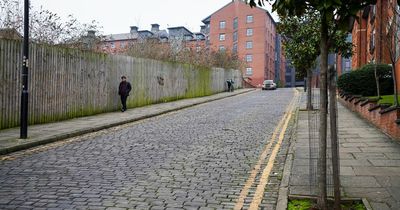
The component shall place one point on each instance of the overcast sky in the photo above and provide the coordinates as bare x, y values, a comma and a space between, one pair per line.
117, 15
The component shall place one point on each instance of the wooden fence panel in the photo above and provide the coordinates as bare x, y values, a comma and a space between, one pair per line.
67, 83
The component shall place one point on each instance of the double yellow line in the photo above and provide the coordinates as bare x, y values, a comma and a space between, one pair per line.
281, 130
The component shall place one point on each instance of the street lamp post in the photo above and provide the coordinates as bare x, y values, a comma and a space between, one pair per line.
25, 65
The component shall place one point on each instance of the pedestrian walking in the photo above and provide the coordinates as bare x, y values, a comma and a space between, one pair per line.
229, 82
124, 89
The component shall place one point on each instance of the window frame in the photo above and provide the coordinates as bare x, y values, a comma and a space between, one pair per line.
249, 46
235, 36
249, 30
222, 23
222, 37
249, 19
249, 69
249, 56
235, 23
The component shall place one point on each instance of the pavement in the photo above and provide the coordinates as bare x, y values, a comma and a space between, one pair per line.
369, 161
51, 132
225, 154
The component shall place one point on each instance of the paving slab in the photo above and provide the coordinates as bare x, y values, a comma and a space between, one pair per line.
369, 159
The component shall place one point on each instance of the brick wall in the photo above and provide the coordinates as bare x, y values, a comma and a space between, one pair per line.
386, 121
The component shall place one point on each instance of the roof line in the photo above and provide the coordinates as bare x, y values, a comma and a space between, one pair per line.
181, 27
242, 3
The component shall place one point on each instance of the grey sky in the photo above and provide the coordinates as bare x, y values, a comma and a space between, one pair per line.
117, 15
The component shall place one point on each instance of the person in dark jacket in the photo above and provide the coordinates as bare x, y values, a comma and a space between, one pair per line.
229, 82
124, 89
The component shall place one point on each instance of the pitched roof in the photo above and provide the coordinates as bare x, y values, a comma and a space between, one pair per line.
124, 36
10, 33
127, 36
180, 27
208, 18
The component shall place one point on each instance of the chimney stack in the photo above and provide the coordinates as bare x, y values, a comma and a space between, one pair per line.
91, 33
134, 29
155, 28
203, 29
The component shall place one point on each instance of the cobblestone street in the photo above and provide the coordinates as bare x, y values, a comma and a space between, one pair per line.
196, 158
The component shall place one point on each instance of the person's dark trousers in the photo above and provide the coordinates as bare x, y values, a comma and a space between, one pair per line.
123, 101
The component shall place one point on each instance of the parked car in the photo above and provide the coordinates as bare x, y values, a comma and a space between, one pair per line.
269, 85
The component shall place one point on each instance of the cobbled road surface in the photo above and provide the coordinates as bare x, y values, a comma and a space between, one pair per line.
196, 158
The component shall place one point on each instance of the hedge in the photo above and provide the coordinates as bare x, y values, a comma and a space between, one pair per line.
362, 81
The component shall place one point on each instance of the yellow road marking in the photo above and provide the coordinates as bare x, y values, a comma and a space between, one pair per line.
258, 196
257, 167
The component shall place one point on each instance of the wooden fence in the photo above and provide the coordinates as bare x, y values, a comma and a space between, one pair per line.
67, 83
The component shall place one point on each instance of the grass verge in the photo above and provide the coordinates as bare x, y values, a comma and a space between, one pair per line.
308, 204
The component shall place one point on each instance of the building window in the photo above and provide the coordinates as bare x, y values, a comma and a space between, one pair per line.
199, 36
122, 44
235, 23
398, 34
249, 19
249, 71
221, 37
188, 37
235, 36
222, 24
249, 45
347, 66
235, 48
249, 32
112, 45
221, 48
198, 49
249, 58
372, 41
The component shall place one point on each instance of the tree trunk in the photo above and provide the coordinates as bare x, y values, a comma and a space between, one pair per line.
396, 98
309, 90
322, 203
378, 90
334, 136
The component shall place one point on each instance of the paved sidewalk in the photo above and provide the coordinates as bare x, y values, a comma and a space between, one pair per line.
370, 161
46, 133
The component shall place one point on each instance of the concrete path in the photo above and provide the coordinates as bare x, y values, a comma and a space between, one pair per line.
50, 132
370, 161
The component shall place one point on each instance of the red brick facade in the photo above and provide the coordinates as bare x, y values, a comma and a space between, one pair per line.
249, 32
369, 36
369, 32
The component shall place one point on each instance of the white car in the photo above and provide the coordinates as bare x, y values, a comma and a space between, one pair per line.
269, 85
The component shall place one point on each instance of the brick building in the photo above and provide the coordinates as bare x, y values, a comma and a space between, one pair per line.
249, 32
179, 37
280, 63
343, 64
369, 37
116, 43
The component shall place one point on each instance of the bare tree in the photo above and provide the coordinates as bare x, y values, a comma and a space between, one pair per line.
178, 51
45, 26
391, 37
